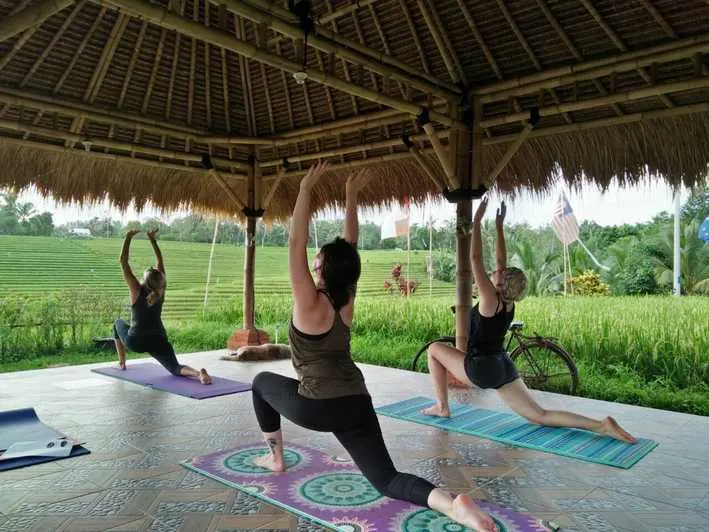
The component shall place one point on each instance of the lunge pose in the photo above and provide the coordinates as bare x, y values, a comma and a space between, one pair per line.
487, 364
330, 394
146, 333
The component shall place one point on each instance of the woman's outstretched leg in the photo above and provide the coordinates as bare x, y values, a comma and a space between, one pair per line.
366, 446
441, 360
121, 350
164, 353
519, 398
120, 332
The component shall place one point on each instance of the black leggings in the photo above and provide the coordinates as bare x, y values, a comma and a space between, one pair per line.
351, 419
156, 345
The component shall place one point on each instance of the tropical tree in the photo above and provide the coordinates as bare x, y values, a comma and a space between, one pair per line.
542, 265
694, 258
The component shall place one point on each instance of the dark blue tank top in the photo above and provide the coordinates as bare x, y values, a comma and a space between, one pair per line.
487, 334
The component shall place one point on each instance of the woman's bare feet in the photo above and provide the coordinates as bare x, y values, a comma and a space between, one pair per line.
269, 461
469, 514
122, 364
436, 410
204, 377
610, 427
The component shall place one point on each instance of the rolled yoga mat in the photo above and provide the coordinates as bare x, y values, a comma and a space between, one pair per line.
332, 492
512, 429
23, 425
158, 378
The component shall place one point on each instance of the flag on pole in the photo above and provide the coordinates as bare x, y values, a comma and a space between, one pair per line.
564, 222
398, 223
704, 230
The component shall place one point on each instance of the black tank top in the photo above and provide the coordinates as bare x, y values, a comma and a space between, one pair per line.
487, 334
146, 319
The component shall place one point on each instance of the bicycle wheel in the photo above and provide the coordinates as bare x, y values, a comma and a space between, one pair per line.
546, 366
445, 340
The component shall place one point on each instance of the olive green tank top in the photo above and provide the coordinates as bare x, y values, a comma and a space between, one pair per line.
324, 364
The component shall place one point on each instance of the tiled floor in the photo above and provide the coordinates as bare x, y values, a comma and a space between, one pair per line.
133, 480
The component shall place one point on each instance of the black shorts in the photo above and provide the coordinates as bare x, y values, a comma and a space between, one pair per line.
490, 371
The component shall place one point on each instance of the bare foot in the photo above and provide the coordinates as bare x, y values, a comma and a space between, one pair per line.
122, 365
436, 410
469, 514
204, 377
268, 461
610, 427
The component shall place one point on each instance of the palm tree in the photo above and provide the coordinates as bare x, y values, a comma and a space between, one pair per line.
694, 258
541, 266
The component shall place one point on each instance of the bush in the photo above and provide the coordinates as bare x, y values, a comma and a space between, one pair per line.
638, 281
444, 267
589, 284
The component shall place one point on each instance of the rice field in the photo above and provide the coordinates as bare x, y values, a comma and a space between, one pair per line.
652, 351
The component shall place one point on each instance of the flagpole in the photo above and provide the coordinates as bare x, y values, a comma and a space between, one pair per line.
563, 251
677, 287
209, 267
408, 254
430, 250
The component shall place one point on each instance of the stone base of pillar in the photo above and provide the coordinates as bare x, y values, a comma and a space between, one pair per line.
244, 337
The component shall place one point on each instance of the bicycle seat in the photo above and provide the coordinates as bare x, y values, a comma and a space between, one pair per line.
516, 326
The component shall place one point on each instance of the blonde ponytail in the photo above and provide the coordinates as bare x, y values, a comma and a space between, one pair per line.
155, 283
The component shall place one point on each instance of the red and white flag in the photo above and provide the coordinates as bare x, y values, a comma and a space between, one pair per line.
564, 222
397, 224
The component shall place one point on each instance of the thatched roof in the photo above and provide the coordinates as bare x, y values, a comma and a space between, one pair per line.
124, 97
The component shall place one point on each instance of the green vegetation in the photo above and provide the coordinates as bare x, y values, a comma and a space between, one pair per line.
648, 350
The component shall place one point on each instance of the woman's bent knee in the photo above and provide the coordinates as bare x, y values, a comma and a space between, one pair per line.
261, 380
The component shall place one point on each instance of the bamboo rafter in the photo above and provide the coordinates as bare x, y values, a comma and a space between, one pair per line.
154, 71
452, 64
133, 61
31, 16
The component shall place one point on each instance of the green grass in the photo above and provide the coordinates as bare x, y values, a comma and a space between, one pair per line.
652, 351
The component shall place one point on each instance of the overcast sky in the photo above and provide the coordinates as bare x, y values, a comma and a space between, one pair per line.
616, 206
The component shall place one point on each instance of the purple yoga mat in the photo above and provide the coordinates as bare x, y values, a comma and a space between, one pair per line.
157, 377
331, 491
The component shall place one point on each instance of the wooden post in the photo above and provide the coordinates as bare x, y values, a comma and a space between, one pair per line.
465, 152
249, 334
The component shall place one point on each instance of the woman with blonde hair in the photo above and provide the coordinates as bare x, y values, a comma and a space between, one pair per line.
146, 332
486, 363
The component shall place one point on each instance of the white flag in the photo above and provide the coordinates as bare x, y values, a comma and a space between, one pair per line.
398, 223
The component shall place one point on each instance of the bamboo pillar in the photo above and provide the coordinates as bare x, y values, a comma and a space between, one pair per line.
463, 143
249, 334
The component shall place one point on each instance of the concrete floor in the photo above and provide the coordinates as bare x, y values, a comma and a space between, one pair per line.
133, 480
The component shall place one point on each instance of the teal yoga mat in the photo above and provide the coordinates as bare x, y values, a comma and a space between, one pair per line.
512, 429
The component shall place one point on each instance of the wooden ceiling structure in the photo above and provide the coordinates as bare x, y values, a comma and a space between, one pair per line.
220, 105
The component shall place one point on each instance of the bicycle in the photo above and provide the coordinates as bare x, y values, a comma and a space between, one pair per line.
541, 362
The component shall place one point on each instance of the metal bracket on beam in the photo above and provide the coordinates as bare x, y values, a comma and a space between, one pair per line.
461, 194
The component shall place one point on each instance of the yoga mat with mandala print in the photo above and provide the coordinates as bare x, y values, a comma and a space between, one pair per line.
332, 492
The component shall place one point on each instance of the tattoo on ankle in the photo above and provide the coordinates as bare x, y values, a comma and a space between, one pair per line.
272, 443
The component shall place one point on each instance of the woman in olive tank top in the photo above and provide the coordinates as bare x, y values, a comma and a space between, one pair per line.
486, 364
330, 394
146, 333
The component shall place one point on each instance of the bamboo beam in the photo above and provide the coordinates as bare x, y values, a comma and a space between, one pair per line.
427, 168
250, 251
342, 11
193, 64
173, 73
58, 35
568, 75
336, 152
659, 18
243, 74
443, 157
115, 145
154, 72
511, 151
385, 45
207, 72
33, 15
619, 43
131, 65
166, 19
106, 56
479, 38
414, 35
345, 67
104, 116
226, 188
225, 89
19, 43
80, 50
440, 39
274, 186
605, 122
98, 155
637, 94
518, 34
285, 22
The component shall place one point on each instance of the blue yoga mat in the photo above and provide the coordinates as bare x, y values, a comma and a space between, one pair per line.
24, 425
512, 429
